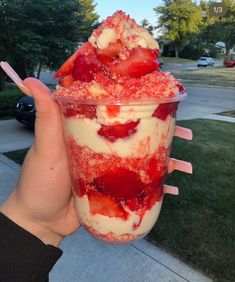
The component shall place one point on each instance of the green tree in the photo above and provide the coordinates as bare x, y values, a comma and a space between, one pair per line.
146, 24
42, 33
88, 17
220, 28
178, 20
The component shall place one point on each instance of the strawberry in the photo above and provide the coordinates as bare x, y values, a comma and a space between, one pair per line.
112, 50
85, 66
66, 81
105, 205
140, 62
88, 111
118, 130
69, 112
67, 66
119, 183
163, 110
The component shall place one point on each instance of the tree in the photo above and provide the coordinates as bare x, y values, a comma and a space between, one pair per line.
220, 28
178, 20
145, 24
42, 33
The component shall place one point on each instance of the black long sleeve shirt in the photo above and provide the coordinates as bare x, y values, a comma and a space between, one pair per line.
24, 257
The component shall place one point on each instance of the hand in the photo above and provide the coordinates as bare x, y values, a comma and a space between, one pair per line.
42, 201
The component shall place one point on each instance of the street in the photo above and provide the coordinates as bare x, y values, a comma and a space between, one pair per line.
202, 101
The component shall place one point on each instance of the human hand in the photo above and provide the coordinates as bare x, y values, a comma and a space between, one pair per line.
42, 201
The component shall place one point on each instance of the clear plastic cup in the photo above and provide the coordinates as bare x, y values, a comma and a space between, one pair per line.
118, 155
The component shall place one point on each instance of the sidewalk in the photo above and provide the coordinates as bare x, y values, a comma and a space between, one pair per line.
86, 259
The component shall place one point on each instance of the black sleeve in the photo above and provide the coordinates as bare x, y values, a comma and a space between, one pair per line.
24, 257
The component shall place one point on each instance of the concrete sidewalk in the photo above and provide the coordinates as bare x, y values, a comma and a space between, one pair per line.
86, 259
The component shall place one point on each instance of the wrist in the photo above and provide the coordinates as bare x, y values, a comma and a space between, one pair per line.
17, 214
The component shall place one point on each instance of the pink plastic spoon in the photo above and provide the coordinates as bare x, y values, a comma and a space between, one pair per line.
15, 77
184, 133
175, 164
167, 189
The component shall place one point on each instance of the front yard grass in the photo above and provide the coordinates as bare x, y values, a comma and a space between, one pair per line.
218, 76
198, 226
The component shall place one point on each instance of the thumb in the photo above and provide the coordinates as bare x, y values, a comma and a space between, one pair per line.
48, 124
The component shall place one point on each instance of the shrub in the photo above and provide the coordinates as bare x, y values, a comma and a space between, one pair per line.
8, 100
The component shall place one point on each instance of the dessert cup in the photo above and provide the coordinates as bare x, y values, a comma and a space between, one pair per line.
118, 155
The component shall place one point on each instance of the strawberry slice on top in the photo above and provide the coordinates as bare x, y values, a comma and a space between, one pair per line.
86, 66
112, 50
68, 65
140, 62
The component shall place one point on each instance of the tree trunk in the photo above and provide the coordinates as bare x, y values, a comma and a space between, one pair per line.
39, 70
176, 52
2, 81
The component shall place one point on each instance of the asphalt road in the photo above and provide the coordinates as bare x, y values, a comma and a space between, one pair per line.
202, 101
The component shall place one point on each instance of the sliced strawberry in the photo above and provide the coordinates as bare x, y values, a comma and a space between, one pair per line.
85, 67
163, 110
67, 66
140, 62
119, 183
118, 130
105, 60
69, 112
112, 50
88, 111
105, 205
66, 81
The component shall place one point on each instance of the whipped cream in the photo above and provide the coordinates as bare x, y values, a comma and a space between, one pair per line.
151, 133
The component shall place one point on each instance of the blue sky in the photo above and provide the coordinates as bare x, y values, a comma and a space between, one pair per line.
137, 9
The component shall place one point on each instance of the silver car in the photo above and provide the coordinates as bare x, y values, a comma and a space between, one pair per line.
205, 62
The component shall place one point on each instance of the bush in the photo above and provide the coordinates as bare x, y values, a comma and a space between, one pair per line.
191, 52
8, 100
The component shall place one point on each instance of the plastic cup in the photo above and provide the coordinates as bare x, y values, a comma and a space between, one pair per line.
118, 154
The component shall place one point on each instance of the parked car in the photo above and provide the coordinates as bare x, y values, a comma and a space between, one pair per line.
230, 63
25, 111
205, 62
160, 62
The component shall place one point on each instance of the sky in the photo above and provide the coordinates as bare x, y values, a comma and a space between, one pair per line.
137, 9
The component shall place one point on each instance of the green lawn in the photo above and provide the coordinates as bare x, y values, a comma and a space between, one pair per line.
173, 60
219, 76
198, 226
17, 156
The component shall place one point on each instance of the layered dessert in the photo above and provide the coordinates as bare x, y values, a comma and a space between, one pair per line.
119, 115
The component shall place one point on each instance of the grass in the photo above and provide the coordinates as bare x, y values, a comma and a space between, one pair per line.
8, 100
17, 156
219, 76
228, 113
198, 226
173, 60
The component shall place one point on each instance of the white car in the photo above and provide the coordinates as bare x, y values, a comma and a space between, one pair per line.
205, 62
